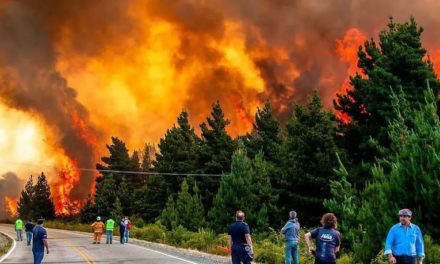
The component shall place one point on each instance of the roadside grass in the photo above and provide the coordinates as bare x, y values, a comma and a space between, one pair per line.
4, 247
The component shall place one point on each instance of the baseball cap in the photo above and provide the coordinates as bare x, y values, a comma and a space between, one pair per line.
405, 212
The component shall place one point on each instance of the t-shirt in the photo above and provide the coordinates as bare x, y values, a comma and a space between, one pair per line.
237, 232
326, 242
40, 234
29, 227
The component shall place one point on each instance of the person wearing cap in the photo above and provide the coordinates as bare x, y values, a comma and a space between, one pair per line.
98, 228
240, 240
122, 231
39, 242
404, 243
291, 237
19, 228
327, 240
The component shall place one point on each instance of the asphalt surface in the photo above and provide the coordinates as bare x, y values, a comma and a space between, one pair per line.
75, 247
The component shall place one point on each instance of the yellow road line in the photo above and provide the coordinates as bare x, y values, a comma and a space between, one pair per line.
83, 253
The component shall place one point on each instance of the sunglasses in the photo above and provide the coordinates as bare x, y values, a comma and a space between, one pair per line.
405, 216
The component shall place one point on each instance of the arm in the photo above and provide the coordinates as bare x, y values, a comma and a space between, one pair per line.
284, 229
309, 242
229, 242
388, 246
46, 245
249, 241
420, 248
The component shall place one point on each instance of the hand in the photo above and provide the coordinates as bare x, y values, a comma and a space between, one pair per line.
312, 250
420, 261
47, 251
392, 259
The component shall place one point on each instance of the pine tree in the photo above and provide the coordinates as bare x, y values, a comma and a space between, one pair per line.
117, 211
88, 211
406, 178
105, 196
149, 200
42, 202
311, 156
187, 211
398, 61
215, 153
25, 209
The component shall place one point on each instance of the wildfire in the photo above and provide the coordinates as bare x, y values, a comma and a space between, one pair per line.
347, 49
11, 205
68, 176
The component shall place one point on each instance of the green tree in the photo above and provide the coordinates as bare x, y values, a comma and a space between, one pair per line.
310, 159
215, 153
242, 189
398, 61
406, 178
42, 202
25, 208
105, 196
117, 211
186, 211
88, 212
149, 201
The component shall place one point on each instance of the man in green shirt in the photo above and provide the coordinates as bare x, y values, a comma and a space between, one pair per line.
19, 228
109, 225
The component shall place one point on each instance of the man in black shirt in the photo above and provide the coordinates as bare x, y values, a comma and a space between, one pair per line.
240, 241
29, 228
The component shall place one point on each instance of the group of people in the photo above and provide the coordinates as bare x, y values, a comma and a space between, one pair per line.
404, 242
98, 229
35, 235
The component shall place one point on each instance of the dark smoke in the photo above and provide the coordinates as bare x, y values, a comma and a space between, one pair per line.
308, 30
10, 185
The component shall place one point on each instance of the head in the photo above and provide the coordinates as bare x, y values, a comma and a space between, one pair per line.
40, 221
30, 220
292, 215
405, 216
98, 218
329, 221
126, 218
239, 215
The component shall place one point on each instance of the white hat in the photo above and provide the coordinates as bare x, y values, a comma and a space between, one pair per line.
98, 218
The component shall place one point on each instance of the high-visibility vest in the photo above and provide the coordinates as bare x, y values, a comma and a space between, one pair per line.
110, 224
18, 224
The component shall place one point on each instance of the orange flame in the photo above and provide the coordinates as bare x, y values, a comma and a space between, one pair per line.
11, 205
68, 176
347, 49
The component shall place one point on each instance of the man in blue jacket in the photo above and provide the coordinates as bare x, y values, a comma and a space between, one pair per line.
404, 244
291, 237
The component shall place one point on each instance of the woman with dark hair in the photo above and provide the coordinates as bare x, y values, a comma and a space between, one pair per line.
328, 240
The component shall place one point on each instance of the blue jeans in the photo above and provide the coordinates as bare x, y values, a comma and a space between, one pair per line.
109, 234
291, 251
126, 235
28, 237
38, 257
405, 259
19, 238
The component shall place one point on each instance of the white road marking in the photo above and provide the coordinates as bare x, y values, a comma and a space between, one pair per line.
14, 244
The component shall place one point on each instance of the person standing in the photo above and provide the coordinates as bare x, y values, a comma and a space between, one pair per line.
19, 228
291, 237
328, 240
39, 242
240, 240
98, 228
109, 226
404, 243
29, 227
122, 230
127, 228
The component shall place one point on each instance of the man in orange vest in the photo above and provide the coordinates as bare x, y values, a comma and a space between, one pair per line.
98, 228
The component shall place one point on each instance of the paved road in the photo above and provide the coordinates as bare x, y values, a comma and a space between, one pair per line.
72, 247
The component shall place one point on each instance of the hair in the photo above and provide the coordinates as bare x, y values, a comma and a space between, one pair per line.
329, 220
40, 221
239, 215
292, 214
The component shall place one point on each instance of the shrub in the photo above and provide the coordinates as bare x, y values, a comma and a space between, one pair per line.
152, 232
